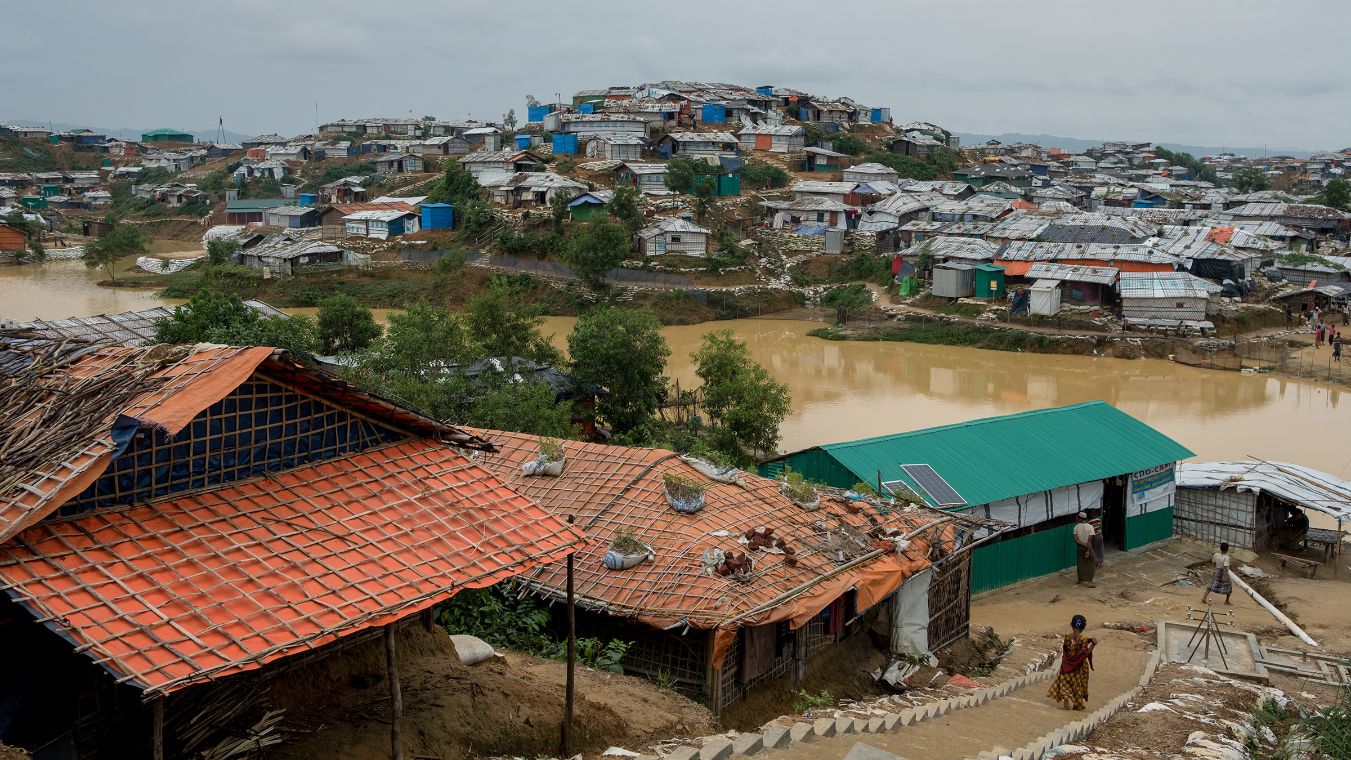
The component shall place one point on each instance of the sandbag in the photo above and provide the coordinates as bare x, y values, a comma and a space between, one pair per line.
473, 650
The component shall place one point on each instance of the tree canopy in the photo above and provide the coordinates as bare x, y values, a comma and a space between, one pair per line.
1336, 193
622, 350
344, 327
601, 245
456, 186
212, 317
1250, 179
745, 406
122, 240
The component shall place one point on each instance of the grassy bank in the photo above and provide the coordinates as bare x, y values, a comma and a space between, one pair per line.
397, 288
956, 334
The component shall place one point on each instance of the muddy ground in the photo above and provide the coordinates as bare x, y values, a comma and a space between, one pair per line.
339, 706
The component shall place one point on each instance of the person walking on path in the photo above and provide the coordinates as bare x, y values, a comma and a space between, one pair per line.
1219, 583
1083, 540
1070, 687
1346, 318
1318, 335
1337, 348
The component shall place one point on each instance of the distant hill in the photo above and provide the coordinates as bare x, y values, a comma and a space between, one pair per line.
124, 133
1076, 144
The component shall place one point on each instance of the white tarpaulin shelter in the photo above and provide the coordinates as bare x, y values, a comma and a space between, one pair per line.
1045, 298
1237, 501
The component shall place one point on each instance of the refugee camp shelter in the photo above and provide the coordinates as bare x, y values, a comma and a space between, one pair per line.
988, 280
1164, 298
720, 637
672, 235
178, 523
1035, 470
1240, 502
1044, 298
954, 280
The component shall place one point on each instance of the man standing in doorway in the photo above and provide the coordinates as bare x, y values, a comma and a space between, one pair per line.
1083, 544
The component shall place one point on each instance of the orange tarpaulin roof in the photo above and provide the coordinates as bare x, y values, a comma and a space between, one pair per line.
613, 488
223, 581
1015, 268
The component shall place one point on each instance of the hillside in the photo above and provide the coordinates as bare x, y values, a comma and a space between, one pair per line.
19, 155
1077, 144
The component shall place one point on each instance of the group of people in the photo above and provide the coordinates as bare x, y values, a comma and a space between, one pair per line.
1326, 331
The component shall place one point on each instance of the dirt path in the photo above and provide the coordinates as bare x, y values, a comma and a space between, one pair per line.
1012, 721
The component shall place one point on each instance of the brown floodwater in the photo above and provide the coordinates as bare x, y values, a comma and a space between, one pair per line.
60, 289
847, 390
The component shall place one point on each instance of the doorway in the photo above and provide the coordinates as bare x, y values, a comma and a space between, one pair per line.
1114, 512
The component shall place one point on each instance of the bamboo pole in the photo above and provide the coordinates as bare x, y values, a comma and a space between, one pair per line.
158, 737
395, 697
570, 688
1269, 607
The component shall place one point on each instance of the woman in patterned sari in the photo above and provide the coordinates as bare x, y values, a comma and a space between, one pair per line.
1070, 687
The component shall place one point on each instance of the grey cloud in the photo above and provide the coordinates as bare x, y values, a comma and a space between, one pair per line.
1194, 71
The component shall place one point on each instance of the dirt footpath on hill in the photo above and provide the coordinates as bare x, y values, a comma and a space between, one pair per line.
511, 706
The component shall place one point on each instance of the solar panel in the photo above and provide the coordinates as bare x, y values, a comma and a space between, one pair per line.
940, 493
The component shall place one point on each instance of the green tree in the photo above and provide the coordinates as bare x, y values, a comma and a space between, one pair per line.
1250, 179
850, 145
122, 240
745, 406
1336, 193
529, 407
213, 317
761, 174
456, 186
624, 207
704, 190
680, 175
558, 208
623, 351
852, 298
344, 327
422, 339
601, 245
220, 252
500, 324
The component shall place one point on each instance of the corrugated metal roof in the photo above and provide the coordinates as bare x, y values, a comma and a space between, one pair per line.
1306, 487
1165, 285
1073, 273
996, 458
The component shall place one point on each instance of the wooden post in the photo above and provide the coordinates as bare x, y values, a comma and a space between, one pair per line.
158, 738
712, 675
569, 690
395, 697
800, 655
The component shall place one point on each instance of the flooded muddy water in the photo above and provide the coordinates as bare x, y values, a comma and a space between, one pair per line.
61, 289
847, 390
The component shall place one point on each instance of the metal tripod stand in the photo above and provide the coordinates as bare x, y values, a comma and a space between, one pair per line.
1208, 630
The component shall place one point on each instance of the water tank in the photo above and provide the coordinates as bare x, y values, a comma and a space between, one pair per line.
437, 216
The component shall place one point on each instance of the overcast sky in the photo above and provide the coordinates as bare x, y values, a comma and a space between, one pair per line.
1208, 72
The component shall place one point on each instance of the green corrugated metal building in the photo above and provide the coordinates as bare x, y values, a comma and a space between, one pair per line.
1035, 469
166, 135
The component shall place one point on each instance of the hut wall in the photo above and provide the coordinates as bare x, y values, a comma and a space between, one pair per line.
1181, 307
1210, 514
950, 602
260, 427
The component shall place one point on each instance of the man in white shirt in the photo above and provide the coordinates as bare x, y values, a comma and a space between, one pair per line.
1083, 544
